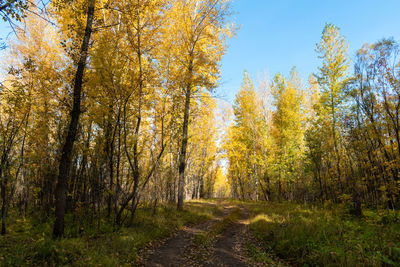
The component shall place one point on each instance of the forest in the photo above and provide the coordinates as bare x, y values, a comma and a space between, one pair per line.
115, 149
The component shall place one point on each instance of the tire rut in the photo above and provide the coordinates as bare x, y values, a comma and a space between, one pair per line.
173, 251
227, 250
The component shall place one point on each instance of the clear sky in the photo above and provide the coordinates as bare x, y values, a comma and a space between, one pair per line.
276, 35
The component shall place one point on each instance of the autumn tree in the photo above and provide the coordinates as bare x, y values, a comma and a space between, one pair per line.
199, 35
66, 154
14, 114
245, 144
37, 69
287, 131
373, 127
332, 78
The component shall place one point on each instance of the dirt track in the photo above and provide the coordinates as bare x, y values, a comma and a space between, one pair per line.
225, 250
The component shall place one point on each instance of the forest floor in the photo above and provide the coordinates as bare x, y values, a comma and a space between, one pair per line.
283, 234
92, 240
211, 233
221, 241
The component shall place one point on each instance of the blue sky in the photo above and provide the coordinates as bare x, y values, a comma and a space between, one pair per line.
276, 35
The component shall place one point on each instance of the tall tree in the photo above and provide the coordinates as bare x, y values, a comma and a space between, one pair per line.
287, 131
200, 32
332, 78
246, 142
66, 154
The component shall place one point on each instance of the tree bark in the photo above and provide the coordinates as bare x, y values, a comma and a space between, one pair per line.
182, 156
65, 161
3, 206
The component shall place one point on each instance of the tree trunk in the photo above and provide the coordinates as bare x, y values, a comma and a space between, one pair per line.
335, 144
65, 161
182, 156
3, 206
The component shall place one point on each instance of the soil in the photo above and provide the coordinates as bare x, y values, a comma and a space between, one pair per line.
227, 249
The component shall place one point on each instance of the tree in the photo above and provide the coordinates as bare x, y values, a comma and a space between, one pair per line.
199, 35
66, 154
287, 130
245, 144
139, 24
332, 78
14, 114
314, 136
202, 148
373, 129
37, 65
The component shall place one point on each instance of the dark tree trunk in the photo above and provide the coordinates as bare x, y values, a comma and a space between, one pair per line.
263, 190
117, 185
65, 161
3, 206
109, 151
182, 156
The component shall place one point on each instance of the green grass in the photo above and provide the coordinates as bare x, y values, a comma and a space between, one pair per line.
258, 255
307, 235
29, 242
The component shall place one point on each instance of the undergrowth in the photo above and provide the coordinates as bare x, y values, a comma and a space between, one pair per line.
29, 241
308, 235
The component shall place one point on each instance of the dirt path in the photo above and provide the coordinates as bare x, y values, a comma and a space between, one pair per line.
173, 252
227, 248
224, 249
